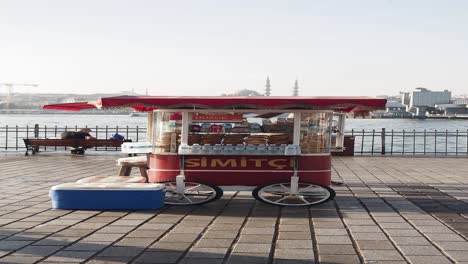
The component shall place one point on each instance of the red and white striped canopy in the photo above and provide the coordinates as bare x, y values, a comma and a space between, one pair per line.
149, 103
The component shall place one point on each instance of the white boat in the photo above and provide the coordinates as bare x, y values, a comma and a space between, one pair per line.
135, 114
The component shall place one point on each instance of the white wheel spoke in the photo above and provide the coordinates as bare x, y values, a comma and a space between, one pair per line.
311, 186
199, 194
313, 194
279, 200
302, 199
286, 188
188, 199
191, 188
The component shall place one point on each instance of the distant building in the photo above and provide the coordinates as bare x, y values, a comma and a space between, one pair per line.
428, 98
396, 109
296, 89
267, 87
453, 109
423, 100
244, 92
405, 98
460, 101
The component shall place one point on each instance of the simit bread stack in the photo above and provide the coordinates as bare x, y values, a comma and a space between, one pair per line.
165, 141
212, 139
234, 139
278, 139
312, 144
256, 140
194, 139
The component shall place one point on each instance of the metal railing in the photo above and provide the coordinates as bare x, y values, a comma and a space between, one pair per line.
11, 137
370, 142
410, 142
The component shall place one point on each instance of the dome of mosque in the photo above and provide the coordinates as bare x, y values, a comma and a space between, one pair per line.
246, 92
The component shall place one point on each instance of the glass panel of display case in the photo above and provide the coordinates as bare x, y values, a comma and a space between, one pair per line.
233, 129
167, 134
315, 132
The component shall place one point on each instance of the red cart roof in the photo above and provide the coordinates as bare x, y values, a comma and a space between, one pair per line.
149, 103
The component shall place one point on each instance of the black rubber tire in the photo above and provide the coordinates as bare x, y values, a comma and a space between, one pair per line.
219, 192
258, 198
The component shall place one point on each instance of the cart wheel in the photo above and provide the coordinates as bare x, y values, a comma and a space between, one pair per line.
280, 194
195, 193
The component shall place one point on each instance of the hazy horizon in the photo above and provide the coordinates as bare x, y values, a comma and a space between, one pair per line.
208, 47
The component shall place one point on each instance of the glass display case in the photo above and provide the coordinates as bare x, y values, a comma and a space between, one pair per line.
232, 133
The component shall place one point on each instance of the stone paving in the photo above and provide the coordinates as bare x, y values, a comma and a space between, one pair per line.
389, 210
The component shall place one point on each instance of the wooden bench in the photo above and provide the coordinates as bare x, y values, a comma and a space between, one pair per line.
78, 145
126, 165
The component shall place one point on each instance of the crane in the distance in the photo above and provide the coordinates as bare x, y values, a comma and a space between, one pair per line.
9, 90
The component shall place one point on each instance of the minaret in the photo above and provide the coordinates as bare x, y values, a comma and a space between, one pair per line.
296, 89
267, 90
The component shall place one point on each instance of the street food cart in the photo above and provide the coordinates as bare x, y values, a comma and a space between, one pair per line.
278, 147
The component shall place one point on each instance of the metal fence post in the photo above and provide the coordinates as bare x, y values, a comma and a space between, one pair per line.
16, 135
6, 137
127, 133
45, 135
424, 141
55, 134
97, 136
403, 144
137, 133
446, 141
391, 144
36, 130
107, 135
383, 141
362, 142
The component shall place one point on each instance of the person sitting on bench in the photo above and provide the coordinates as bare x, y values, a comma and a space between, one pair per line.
80, 134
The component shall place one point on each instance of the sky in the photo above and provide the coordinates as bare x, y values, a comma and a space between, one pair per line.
210, 47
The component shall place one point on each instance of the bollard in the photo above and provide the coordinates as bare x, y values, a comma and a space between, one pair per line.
36, 130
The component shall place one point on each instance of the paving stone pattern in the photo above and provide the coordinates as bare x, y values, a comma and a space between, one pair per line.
389, 210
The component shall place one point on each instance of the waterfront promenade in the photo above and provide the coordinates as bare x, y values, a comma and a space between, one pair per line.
389, 210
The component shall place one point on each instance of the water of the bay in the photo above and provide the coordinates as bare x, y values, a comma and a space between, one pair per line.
82, 120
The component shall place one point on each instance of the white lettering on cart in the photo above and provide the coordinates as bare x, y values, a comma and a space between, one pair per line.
276, 164
231, 162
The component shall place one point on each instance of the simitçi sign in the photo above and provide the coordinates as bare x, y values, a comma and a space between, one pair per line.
217, 118
238, 163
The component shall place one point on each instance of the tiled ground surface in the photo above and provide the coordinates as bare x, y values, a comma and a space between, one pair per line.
390, 210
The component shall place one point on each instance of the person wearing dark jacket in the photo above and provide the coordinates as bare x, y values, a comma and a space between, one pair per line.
80, 134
